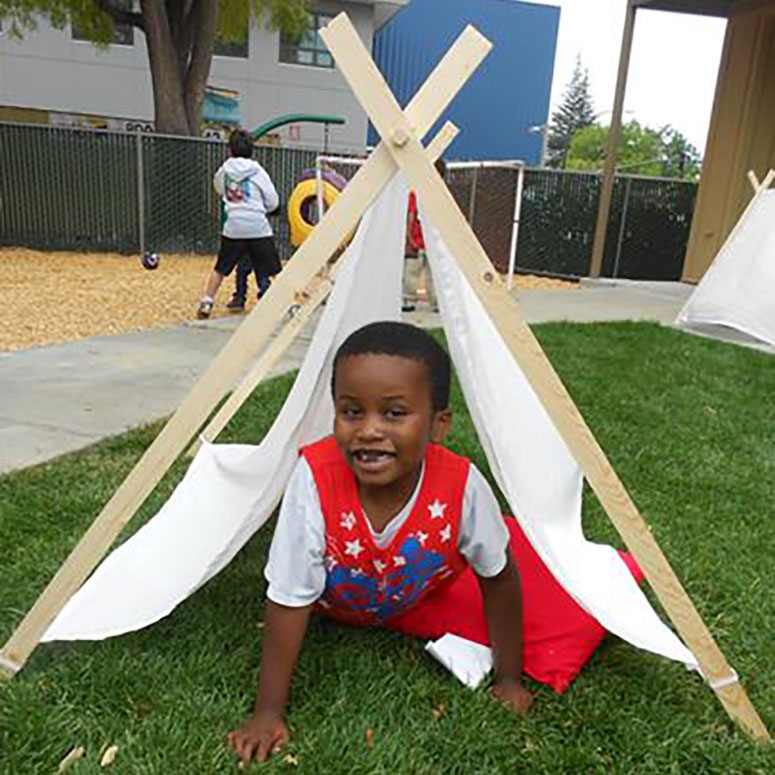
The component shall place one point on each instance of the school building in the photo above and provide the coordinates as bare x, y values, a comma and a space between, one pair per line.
503, 110
57, 76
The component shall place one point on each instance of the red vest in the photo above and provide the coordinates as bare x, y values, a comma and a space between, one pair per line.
366, 585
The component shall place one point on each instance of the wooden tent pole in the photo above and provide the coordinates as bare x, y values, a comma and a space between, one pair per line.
321, 287
460, 61
314, 296
396, 130
761, 188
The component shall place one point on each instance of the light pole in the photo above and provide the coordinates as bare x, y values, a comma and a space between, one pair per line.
543, 130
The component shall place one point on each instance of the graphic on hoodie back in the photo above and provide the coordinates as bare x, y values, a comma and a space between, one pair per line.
236, 190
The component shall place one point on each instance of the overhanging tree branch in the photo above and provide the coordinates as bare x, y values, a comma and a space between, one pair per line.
121, 15
179, 35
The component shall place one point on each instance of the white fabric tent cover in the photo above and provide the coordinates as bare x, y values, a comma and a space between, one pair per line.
230, 490
738, 290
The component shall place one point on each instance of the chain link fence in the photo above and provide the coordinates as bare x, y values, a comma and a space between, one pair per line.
486, 193
65, 189
648, 226
87, 190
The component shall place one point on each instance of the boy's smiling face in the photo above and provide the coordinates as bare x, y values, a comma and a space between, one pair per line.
385, 419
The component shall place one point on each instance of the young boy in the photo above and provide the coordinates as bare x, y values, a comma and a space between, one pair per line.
248, 195
378, 520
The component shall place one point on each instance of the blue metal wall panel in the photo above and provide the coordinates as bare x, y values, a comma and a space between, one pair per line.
510, 90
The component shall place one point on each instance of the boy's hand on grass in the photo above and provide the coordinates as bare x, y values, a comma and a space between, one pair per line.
513, 695
263, 734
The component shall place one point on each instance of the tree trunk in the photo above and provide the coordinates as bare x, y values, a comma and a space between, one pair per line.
168, 101
205, 21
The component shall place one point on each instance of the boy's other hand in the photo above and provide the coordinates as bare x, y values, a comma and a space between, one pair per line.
513, 695
263, 734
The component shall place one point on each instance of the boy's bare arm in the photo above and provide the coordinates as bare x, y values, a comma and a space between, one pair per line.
265, 731
502, 596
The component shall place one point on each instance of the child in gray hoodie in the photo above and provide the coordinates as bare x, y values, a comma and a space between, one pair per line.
248, 195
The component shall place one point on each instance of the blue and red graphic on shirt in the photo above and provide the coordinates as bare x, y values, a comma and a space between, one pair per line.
236, 191
366, 584
396, 591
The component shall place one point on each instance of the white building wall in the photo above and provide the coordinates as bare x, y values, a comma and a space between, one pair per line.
49, 70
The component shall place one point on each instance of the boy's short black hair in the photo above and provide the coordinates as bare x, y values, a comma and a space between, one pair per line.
241, 144
388, 337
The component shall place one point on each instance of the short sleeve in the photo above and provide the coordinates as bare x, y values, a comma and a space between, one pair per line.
483, 538
295, 569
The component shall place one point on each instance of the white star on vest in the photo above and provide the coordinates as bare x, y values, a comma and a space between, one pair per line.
446, 533
437, 509
398, 561
353, 548
379, 565
422, 537
348, 520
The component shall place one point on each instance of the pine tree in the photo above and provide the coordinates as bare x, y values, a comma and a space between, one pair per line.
574, 113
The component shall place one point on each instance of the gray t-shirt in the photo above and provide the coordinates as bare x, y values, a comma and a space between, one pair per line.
295, 569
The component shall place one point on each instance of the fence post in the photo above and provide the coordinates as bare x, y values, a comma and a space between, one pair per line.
472, 200
515, 225
622, 225
140, 193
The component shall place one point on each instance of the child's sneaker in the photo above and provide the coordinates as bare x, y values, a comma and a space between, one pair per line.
236, 304
205, 309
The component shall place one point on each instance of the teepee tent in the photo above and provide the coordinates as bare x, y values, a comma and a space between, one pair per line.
230, 490
511, 389
738, 290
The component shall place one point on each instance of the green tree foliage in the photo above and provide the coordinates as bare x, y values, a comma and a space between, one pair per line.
641, 151
180, 35
576, 112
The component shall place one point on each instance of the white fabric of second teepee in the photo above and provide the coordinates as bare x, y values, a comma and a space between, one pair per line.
230, 490
535, 469
738, 290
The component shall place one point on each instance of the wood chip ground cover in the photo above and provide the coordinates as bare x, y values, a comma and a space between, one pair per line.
56, 297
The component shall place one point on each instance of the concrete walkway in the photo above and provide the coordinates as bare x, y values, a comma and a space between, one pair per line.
61, 398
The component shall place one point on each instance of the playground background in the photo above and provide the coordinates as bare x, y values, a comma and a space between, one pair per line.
59, 296
84, 190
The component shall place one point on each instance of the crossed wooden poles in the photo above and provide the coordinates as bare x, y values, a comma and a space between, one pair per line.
400, 148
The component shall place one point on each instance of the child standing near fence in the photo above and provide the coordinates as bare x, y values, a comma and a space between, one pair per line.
248, 195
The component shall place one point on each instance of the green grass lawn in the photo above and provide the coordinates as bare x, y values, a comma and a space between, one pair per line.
687, 423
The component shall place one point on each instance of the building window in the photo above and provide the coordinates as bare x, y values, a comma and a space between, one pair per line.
123, 34
308, 49
236, 47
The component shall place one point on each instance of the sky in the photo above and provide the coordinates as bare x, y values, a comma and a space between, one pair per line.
673, 67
